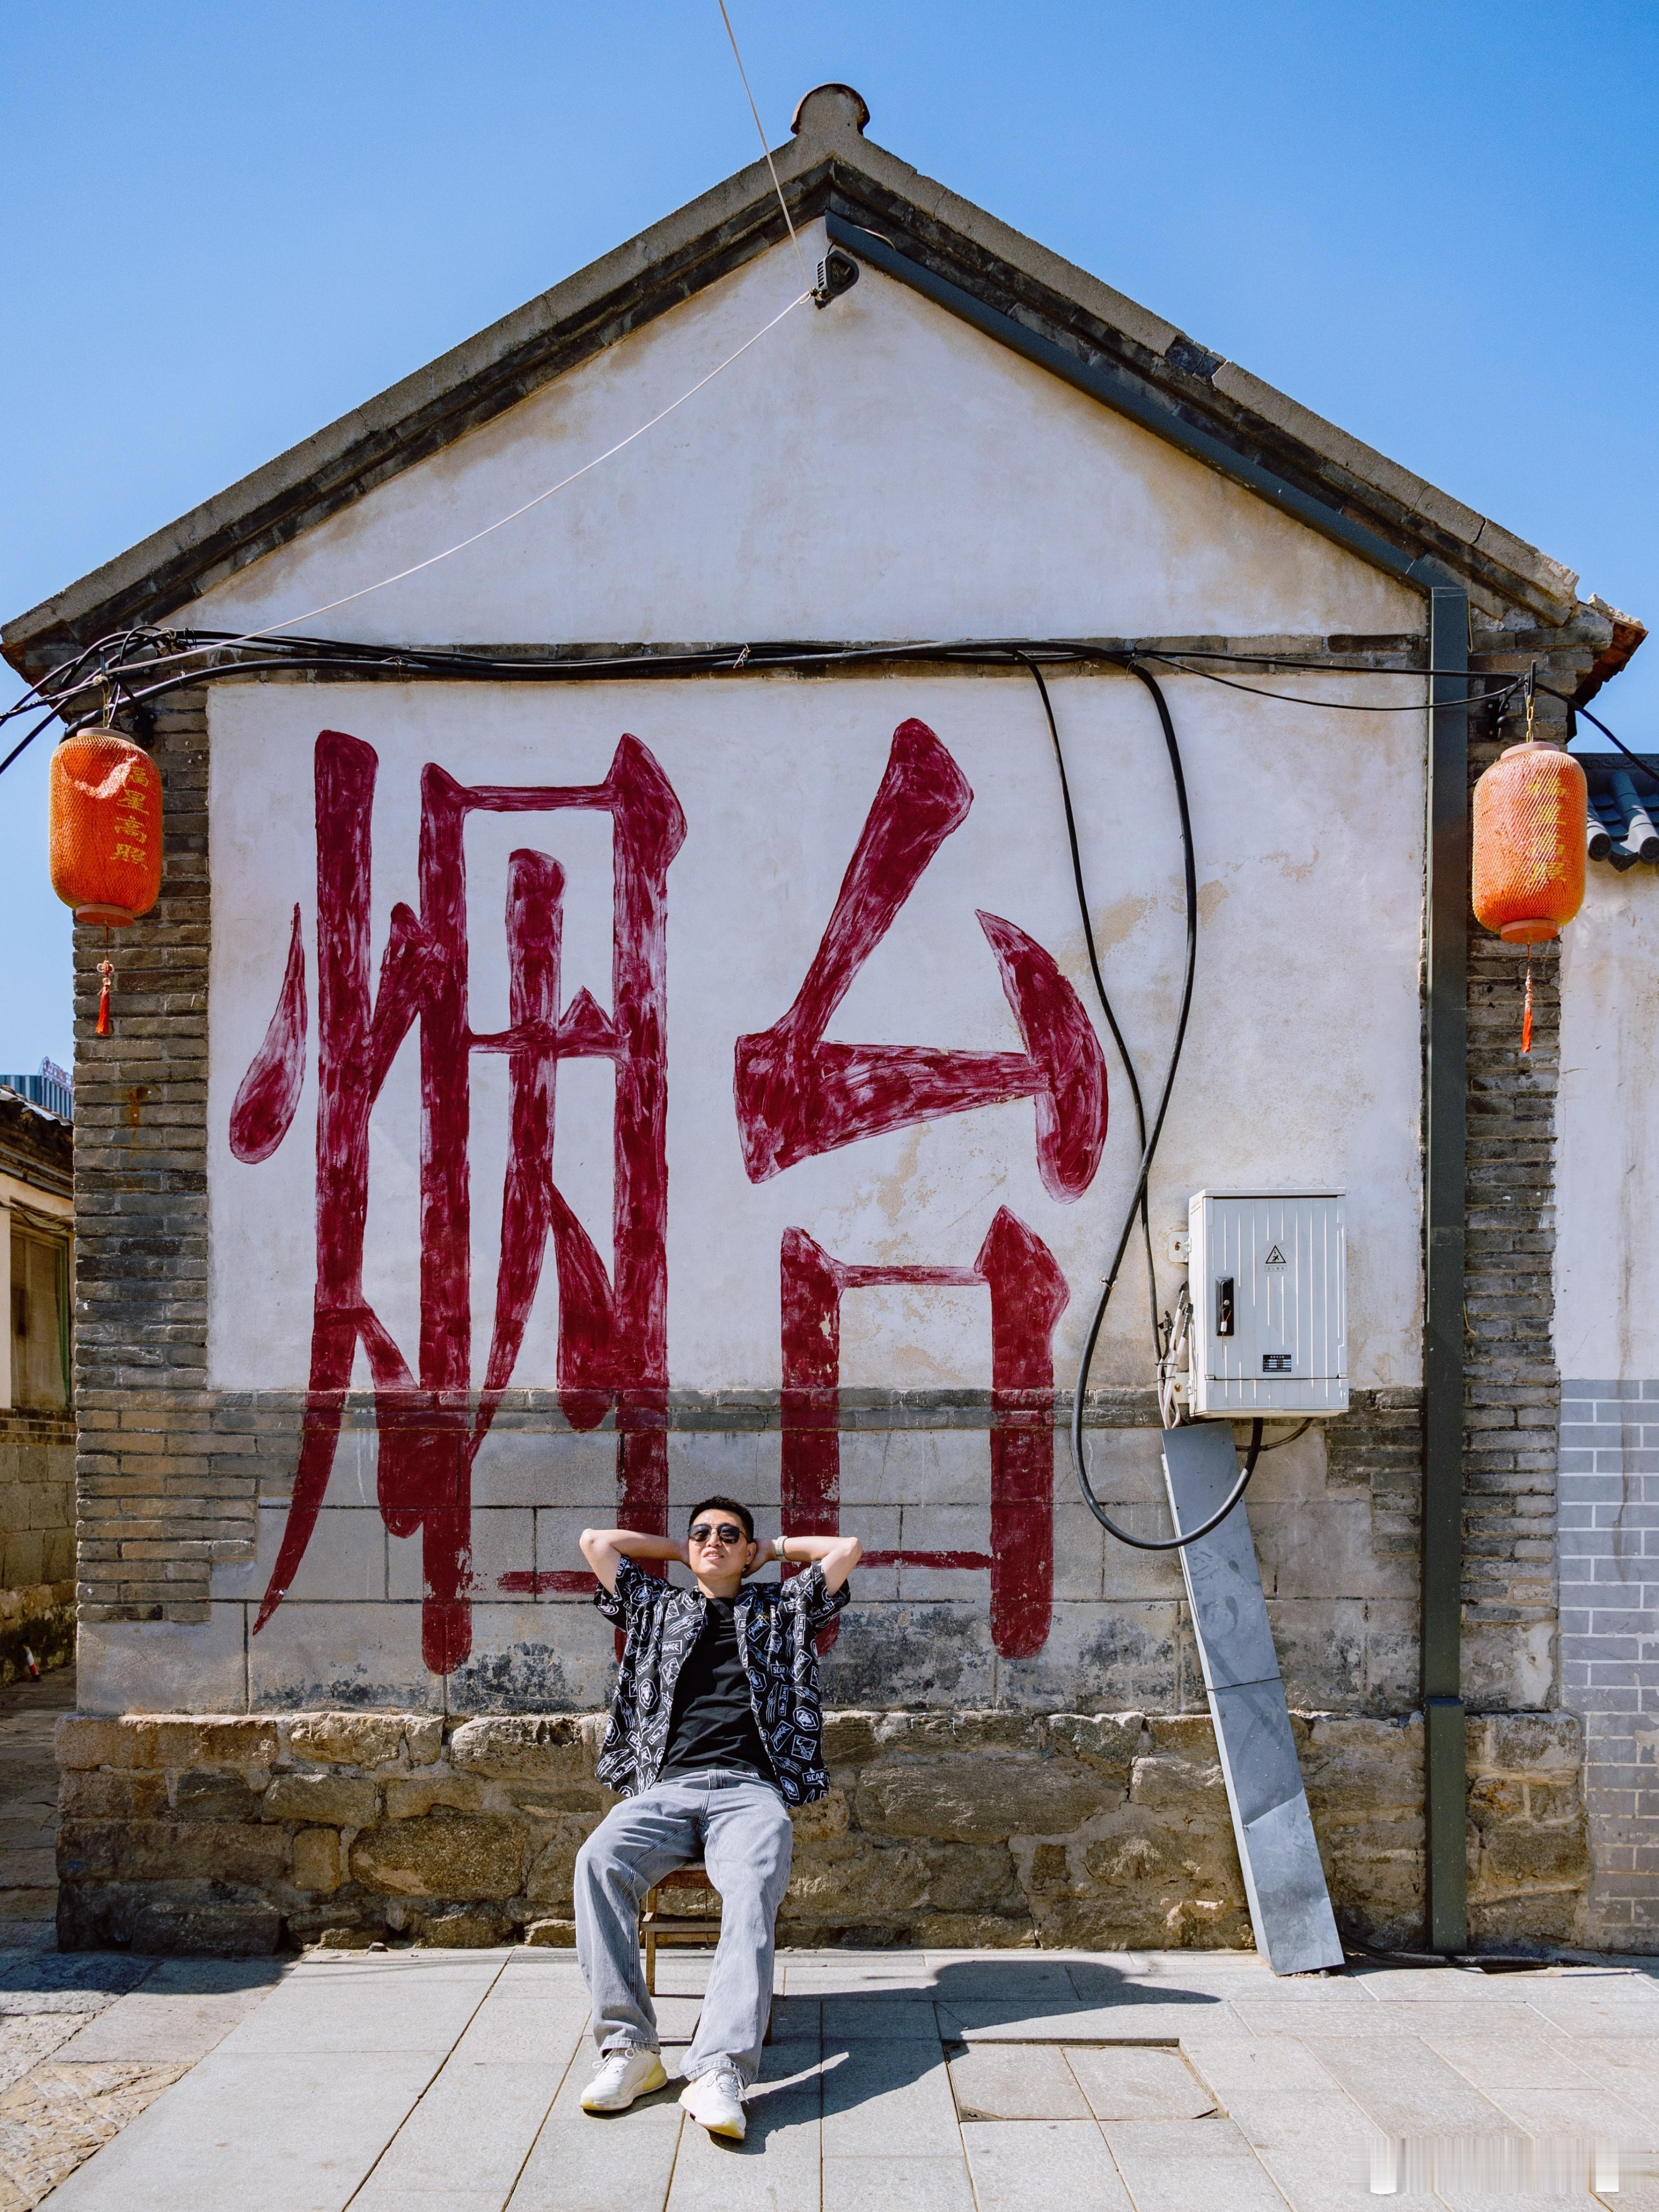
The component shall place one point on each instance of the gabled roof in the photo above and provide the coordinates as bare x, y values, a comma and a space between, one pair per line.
1624, 796
36, 1147
914, 228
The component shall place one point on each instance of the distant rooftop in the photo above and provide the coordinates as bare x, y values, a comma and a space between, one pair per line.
52, 1088
1624, 802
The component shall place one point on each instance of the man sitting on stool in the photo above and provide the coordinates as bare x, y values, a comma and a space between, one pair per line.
715, 1734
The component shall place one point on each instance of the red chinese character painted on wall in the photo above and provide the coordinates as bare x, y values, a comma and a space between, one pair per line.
798, 1094
612, 1323
1028, 1296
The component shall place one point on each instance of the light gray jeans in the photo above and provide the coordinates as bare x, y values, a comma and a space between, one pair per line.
740, 1830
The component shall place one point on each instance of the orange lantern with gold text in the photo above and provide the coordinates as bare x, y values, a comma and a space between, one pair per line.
105, 814
1529, 857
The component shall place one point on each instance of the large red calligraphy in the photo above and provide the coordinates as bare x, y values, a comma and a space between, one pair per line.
268, 1097
798, 1094
612, 1349
1028, 1296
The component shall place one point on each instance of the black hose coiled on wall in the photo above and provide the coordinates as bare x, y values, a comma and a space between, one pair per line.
1149, 1138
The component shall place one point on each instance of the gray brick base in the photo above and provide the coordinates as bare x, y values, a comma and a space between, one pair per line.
1608, 1554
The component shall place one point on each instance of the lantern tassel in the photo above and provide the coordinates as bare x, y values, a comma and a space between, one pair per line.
106, 974
1526, 1017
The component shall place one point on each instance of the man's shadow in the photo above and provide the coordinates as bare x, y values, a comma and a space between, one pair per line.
893, 2045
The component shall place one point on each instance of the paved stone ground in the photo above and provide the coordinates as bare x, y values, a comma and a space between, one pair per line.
447, 2081
88, 2041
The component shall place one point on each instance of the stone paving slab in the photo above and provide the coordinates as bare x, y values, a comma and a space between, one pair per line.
476, 2124
25, 2040
270, 2131
1134, 2084
57, 2115
778, 2165
616, 2162
931, 2082
1521, 2062
182, 2009
1053, 2166
1017, 2082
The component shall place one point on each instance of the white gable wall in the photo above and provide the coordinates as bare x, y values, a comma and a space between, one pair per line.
878, 469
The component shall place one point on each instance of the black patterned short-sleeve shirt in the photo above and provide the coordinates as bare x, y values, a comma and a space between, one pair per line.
776, 1625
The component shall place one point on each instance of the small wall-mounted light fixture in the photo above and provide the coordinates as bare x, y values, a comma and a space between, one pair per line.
837, 273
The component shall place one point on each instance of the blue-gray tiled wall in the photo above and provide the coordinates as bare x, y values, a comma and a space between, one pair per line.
1608, 1552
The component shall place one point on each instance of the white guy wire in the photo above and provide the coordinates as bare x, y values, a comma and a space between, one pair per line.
760, 129
251, 636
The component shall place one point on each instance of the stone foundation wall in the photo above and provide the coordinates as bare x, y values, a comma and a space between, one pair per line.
37, 1540
1108, 1829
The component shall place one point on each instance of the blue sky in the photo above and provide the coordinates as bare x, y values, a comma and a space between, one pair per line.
1438, 225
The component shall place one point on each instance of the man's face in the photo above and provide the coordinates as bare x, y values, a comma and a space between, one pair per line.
718, 1547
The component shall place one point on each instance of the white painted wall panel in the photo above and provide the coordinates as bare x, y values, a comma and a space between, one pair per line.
1303, 1063
877, 471
1606, 1292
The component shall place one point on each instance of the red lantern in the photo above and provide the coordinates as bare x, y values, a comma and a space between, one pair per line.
106, 827
1529, 808
105, 836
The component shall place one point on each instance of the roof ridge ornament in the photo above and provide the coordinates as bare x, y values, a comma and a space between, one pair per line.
837, 111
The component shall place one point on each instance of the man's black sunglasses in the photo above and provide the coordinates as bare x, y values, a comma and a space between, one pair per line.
704, 1532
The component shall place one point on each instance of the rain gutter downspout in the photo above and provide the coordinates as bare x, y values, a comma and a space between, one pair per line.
1446, 1131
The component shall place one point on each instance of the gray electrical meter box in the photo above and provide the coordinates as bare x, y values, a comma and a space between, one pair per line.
1267, 1276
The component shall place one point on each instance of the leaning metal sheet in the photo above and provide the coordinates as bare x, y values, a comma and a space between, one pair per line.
1290, 1905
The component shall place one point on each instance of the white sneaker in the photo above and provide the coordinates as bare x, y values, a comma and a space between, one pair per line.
623, 2075
715, 2101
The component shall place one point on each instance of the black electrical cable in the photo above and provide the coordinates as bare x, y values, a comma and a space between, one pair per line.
24, 744
1279, 1443
21, 706
110, 663
1570, 702
1342, 705
1079, 1394
1079, 1459
1100, 981
307, 651
326, 656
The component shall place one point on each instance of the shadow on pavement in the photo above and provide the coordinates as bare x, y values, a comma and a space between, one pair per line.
899, 2034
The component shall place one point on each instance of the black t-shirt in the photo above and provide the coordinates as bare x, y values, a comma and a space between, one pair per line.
713, 1721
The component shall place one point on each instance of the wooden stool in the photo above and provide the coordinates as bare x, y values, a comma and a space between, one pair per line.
657, 1927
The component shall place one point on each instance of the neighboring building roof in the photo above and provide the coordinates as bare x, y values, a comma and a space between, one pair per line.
52, 1087
946, 245
1624, 797
36, 1147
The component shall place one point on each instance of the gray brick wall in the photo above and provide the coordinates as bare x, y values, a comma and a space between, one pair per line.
1511, 1383
160, 1495
1608, 1564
